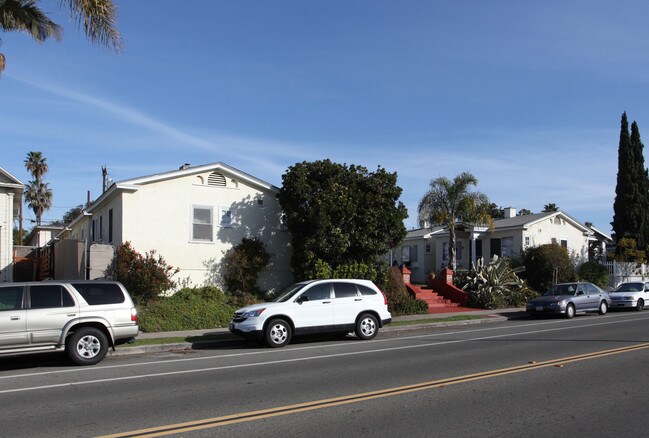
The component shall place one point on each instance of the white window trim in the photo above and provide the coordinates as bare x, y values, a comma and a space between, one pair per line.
191, 221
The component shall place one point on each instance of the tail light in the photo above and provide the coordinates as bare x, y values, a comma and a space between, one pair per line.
385, 299
133, 314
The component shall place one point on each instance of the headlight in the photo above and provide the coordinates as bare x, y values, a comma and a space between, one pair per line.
561, 303
253, 313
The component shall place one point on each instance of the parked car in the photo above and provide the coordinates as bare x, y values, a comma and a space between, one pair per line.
316, 306
83, 318
633, 294
570, 298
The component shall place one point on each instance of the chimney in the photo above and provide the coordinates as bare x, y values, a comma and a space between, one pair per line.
509, 212
184, 166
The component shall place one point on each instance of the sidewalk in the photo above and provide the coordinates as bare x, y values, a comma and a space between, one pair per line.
224, 336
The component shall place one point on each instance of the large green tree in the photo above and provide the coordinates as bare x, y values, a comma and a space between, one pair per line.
340, 214
448, 203
97, 17
632, 188
37, 194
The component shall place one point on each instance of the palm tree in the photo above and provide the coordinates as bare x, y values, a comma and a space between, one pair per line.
98, 18
547, 208
38, 196
36, 164
449, 202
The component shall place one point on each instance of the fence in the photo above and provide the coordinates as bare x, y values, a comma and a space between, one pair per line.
620, 272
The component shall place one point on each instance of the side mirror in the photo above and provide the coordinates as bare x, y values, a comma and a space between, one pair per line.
302, 299
580, 293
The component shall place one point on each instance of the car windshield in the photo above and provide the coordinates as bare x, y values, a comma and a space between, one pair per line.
289, 293
630, 287
562, 289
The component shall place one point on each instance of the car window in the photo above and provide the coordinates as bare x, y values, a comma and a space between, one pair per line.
345, 290
318, 292
11, 298
100, 293
366, 290
592, 289
629, 287
48, 296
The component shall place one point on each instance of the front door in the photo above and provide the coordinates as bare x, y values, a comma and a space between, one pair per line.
12, 317
313, 310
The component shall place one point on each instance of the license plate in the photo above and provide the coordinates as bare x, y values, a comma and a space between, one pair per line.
539, 308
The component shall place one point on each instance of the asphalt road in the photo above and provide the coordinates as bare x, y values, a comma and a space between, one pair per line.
581, 377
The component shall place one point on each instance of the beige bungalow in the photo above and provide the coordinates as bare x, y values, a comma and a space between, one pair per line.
426, 250
11, 195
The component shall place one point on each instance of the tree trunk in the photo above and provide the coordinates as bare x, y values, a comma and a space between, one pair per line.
451, 248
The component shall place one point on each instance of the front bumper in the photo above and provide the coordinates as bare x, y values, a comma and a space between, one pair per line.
546, 310
617, 304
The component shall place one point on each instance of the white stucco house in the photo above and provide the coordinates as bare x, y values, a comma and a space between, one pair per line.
426, 250
11, 195
191, 217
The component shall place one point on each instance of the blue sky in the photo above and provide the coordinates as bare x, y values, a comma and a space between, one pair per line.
527, 96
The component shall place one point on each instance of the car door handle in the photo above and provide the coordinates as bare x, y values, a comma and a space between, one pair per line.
358, 299
326, 302
72, 314
15, 318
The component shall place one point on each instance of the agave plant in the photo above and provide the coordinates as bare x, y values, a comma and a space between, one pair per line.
496, 284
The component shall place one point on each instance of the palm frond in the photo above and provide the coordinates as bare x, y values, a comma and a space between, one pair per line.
25, 16
99, 18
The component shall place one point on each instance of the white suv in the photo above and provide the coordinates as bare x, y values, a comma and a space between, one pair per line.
316, 306
84, 318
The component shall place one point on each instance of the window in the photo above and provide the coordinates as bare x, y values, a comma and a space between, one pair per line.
564, 243
444, 250
226, 217
345, 290
49, 296
202, 224
93, 230
11, 298
405, 254
318, 292
413, 253
458, 251
507, 246
365, 290
101, 227
100, 293
260, 201
428, 248
110, 226
527, 240
283, 221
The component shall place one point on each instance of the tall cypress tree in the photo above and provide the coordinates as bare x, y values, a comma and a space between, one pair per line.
632, 189
641, 186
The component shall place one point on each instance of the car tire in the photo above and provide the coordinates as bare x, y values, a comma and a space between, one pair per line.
278, 333
367, 327
570, 310
87, 346
640, 305
603, 308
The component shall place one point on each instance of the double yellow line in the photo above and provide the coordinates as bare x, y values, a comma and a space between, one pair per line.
354, 398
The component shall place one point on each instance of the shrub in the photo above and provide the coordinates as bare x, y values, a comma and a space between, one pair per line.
359, 270
188, 309
242, 266
146, 277
594, 272
547, 265
496, 285
400, 302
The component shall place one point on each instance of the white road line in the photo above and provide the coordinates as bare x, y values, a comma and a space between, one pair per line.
310, 358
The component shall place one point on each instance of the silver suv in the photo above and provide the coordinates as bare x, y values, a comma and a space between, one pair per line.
84, 318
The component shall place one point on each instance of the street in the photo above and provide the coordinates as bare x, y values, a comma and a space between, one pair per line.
546, 377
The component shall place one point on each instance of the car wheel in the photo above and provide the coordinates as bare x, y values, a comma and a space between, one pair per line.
570, 311
640, 305
367, 327
603, 308
278, 333
87, 346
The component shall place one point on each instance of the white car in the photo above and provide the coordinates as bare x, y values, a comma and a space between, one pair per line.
633, 294
316, 306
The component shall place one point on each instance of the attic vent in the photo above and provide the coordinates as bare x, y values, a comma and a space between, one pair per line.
216, 179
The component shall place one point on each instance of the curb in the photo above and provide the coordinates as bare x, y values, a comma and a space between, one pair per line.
220, 343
